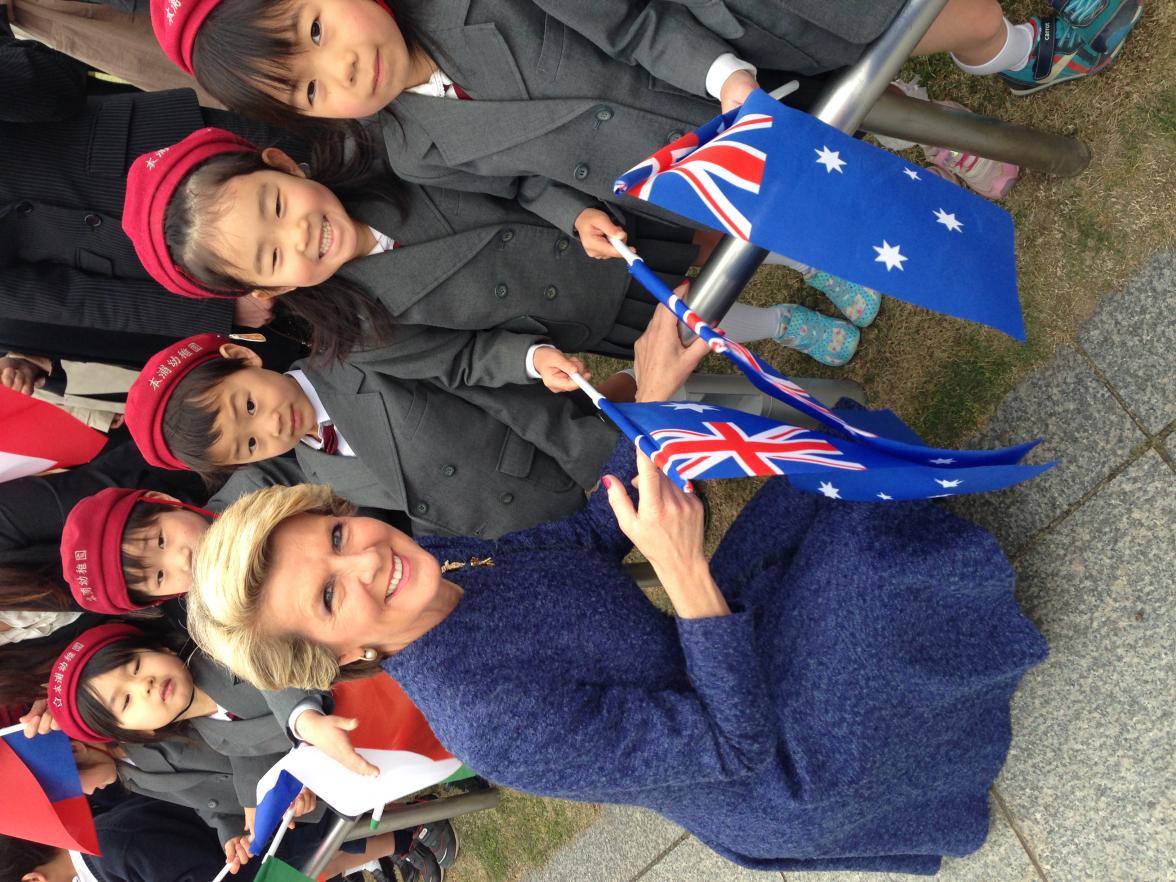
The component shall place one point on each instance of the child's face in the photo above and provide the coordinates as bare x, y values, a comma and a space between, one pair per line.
353, 61
260, 414
278, 231
166, 549
150, 691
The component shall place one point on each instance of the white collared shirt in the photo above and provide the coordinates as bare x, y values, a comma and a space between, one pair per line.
79, 864
320, 415
383, 243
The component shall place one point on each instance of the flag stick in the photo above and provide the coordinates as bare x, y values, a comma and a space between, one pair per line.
282, 828
223, 873
644, 443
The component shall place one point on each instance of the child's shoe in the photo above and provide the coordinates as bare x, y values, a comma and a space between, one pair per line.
828, 340
991, 178
857, 303
1063, 52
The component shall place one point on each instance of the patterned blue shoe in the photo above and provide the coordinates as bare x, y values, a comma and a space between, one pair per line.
1063, 52
828, 340
857, 303
1079, 13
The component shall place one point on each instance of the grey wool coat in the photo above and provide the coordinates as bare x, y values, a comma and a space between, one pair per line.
556, 119
469, 261
214, 767
468, 460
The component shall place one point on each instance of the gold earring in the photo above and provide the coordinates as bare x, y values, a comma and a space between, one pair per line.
369, 655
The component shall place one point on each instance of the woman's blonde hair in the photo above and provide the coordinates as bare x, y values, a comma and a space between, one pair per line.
225, 603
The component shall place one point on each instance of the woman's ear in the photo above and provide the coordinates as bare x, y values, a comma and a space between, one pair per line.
161, 497
241, 353
269, 293
351, 656
282, 161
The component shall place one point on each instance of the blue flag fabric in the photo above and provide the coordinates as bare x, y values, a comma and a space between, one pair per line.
786, 181
770, 381
271, 808
688, 441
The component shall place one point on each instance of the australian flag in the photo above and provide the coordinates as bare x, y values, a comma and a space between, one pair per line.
787, 182
689, 441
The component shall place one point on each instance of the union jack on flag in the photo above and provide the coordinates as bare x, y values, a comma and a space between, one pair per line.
785, 181
723, 161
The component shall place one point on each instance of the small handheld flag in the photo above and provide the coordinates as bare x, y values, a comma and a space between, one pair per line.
785, 181
272, 810
38, 436
43, 799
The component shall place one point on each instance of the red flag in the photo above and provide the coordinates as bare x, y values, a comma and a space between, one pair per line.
36, 436
388, 720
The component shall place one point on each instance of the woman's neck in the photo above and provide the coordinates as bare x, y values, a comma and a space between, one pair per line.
438, 610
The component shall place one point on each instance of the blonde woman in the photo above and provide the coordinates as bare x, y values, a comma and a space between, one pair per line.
832, 692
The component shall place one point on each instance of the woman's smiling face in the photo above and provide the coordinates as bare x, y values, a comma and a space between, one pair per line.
350, 583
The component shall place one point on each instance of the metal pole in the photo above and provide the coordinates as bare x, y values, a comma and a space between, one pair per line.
402, 817
925, 122
843, 105
329, 847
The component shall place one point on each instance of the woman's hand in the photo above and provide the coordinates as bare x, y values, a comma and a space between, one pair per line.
39, 720
594, 227
736, 88
555, 369
660, 360
329, 734
237, 852
666, 526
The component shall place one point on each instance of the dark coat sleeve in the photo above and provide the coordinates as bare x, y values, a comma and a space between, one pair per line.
39, 84
455, 358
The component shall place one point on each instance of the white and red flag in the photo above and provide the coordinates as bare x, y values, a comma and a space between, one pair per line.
36, 436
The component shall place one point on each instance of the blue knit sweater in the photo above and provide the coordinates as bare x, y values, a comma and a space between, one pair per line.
850, 714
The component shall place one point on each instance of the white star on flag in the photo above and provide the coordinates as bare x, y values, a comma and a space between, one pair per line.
948, 220
684, 405
947, 460
885, 498
889, 255
829, 490
946, 484
831, 159
912, 174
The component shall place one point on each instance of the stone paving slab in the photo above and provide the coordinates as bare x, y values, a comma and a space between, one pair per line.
694, 862
1132, 339
1091, 779
619, 846
1083, 426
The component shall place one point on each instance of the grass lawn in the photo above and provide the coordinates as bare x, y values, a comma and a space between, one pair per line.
1077, 239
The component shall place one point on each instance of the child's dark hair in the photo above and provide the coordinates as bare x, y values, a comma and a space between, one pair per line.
19, 857
111, 657
144, 518
240, 56
338, 315
189, 419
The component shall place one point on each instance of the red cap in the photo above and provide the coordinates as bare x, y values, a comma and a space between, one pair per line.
153, 388
176, 23
91, 549
67, 674
151, 182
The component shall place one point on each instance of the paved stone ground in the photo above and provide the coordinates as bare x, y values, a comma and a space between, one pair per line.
1088, 793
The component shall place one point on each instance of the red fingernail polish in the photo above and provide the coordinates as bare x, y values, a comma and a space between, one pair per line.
607, 481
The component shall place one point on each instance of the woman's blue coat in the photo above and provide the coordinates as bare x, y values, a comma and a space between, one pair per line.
850, 714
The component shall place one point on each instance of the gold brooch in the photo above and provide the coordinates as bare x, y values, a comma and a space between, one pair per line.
473, 562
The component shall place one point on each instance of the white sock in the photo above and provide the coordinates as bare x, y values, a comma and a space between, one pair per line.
746, 324
774, 259
1014, 55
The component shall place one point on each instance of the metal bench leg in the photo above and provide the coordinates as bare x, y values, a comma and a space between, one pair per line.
329, 847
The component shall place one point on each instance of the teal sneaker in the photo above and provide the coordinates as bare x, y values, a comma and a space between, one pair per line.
1079, 13
1064, 52
828, 340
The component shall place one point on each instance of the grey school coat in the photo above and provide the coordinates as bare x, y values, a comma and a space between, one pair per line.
677, 40
214, 767
555, 119
468, 461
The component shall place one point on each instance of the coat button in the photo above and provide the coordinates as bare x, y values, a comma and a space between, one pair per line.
675, 135
562, 243
506, 498
25, 208
449, 471
500, 291
506, 235
421, 507
580, 172
551, 292
93, 221
212, 803
604, 114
